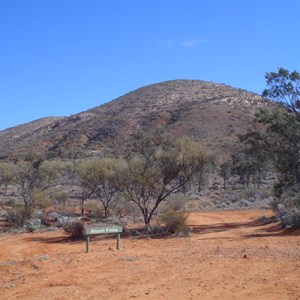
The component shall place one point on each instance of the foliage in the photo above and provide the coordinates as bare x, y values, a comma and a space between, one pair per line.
75, 229
175, 221
201, 175
253, 191
157, 168
280, 142
99, 177
41, 200
280, 145
33, 177
284, 86
295, 218
225, 172
59, 195
16, 214
176, 202
6, 174
94, 211
249, 166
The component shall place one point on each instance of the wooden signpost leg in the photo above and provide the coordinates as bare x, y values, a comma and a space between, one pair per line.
118, 241
87, 243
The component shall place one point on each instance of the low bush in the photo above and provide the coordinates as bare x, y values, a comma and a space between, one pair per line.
94, 211
75, 229
59, 196
16, 216
295, 216
175, 221
41, 200
248, 192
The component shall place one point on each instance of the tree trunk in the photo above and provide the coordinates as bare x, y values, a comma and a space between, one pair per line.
225, 183
106, 212
25, 213
82, 206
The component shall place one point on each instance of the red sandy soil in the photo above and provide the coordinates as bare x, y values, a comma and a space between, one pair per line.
230, 255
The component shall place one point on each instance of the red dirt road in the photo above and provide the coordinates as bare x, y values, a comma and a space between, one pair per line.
230, 255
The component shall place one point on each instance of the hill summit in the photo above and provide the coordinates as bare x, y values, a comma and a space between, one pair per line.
212, 113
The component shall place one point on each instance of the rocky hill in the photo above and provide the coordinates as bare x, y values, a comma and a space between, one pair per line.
213, 113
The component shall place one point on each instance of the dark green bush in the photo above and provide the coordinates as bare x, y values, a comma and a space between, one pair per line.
17, 215
75, 229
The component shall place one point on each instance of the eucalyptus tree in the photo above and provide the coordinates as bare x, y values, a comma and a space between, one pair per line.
157, 168
99, 177
34, 177
6, 174
279, 142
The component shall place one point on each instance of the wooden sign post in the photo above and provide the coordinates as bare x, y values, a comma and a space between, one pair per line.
103, 230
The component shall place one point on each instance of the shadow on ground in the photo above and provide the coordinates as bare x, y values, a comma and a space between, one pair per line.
265, 229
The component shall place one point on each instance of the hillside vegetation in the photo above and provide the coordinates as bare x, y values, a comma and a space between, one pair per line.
212, 113
137, 152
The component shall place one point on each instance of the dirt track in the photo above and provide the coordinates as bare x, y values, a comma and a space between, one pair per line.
231, 255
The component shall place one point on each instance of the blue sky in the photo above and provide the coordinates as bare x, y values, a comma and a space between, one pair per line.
59, 58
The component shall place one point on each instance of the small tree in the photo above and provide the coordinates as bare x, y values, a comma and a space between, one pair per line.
279, 142
225, 172
33, 177
202, 174
99, 177
158, 168
6, 174
284, 87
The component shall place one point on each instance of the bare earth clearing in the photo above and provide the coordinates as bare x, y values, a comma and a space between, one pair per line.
230, 255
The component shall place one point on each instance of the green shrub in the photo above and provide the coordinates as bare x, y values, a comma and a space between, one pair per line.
60, 196
177, 202
175, 221
75, 229
41, 200
248, 192
17, 215
297, 200
295, 218
94, 211
124, 208
67, 211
